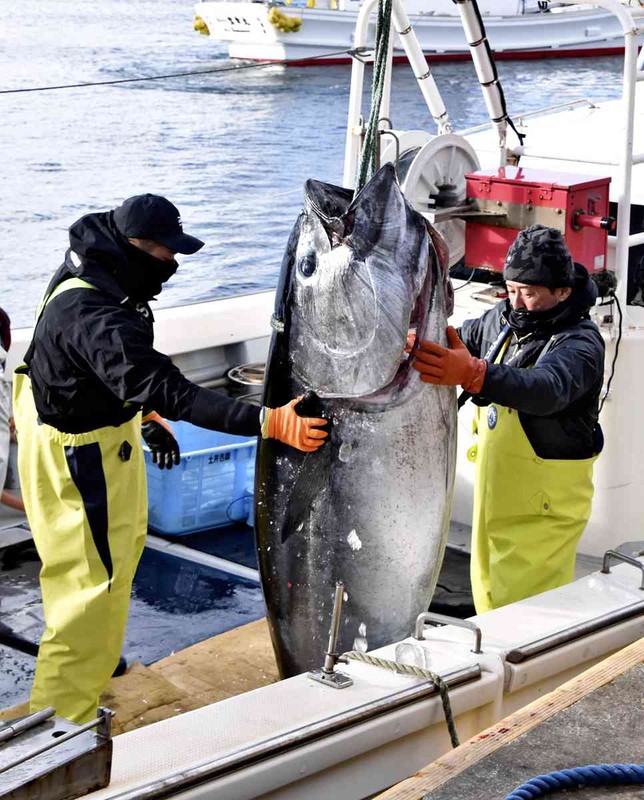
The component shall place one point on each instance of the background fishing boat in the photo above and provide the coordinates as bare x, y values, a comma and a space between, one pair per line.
318, 31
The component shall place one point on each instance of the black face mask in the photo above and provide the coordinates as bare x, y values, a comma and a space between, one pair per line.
144, 275
523, 321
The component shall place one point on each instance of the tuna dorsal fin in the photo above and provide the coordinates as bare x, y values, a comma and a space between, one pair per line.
379, 212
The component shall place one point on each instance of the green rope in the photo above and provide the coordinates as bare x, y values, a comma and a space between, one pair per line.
368, 163
418, 672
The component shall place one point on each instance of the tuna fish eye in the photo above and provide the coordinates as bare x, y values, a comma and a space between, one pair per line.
308, 265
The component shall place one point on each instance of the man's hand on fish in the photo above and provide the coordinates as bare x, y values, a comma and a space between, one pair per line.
286, 425
449, 366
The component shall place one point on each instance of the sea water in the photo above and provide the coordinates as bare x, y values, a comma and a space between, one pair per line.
231, 150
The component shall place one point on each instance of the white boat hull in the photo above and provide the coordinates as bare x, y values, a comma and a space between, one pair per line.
325, 34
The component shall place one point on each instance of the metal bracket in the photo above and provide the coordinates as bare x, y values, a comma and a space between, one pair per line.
364, 54
442, 619
466, 212
614, 554
327, 674
336, 680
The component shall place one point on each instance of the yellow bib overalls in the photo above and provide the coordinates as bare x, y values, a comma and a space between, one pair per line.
529, 512
86, 501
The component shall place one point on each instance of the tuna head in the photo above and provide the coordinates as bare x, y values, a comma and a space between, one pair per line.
358, 270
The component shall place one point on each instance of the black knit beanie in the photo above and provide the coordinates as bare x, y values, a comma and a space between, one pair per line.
539, 256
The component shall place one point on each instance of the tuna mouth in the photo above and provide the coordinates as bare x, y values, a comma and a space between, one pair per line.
415, 323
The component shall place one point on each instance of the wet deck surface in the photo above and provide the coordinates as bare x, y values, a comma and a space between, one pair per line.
178, 611
175, 603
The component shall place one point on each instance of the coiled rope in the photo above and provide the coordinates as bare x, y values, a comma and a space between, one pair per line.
369, 146
592, 775
418, 672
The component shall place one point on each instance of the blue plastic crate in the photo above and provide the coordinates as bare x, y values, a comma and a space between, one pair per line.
212, 486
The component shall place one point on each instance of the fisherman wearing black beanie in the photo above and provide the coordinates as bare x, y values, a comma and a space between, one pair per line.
534, 365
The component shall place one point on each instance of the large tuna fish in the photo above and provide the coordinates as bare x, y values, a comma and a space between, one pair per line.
371, 507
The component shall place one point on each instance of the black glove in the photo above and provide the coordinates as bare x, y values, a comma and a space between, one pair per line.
163, 446
5, 330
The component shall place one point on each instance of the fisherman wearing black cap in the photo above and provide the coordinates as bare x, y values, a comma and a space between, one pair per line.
90, 373
535, 363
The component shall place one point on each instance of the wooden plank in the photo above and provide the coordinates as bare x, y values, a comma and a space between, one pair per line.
229, 664
141, 697
501, 733
137, 698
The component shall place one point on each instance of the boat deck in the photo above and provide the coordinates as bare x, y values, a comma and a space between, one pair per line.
196, 632
596, 718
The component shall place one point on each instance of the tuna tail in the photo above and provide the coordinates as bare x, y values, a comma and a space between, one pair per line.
329, 203
379, 207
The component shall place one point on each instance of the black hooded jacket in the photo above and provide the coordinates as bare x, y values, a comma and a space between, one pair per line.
551, 372
92, 362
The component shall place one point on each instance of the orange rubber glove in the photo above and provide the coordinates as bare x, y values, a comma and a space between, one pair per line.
286, 425
453, 366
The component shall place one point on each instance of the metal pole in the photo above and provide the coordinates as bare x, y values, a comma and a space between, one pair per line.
420, 67
27, 723
354, 122
626, 165
331, 655
485, 71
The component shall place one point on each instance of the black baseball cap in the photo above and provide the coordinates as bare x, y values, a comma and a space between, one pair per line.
150, 216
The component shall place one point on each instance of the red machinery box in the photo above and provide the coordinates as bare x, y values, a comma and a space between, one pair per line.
509, 199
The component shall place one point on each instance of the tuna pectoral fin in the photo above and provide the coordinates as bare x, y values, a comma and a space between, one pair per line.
311, 484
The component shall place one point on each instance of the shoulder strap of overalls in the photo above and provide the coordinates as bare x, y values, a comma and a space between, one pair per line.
70, 283
497, 347
548, 346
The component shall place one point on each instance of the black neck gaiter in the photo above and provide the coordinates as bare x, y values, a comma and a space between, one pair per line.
143, 276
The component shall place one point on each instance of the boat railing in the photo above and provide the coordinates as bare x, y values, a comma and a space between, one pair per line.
539, 112
355, 124
632, 22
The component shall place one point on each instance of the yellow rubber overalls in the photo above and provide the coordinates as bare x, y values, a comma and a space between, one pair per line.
529, 512
86, 501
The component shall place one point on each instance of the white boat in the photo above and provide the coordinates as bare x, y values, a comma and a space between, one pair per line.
321, 31
299, 738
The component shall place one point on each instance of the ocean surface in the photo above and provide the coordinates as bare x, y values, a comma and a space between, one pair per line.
232, 151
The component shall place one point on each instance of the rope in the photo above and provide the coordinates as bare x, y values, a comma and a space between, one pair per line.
593, 775
214, 71
418, 672
613, 297
368, 157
